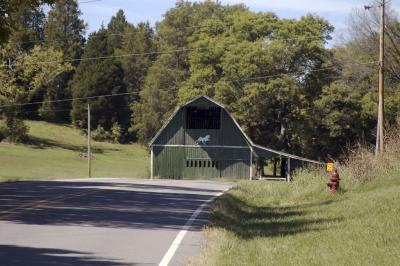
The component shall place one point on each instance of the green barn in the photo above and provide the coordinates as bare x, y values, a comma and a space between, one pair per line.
202, 140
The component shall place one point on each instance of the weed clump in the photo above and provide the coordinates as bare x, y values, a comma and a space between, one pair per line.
363, 165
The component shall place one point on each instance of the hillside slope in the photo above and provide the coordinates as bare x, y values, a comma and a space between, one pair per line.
57, 151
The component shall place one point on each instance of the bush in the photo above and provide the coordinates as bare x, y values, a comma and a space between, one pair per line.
116, 133
100, 134
13, 130
363, 165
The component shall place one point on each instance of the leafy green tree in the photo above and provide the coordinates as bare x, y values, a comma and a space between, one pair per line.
116, 30
25, 77
28, 30
11, 12
156, 103
347, 108
266, 70
272, 112
100, 77
64, 31
139, 41
341, 121
170, 69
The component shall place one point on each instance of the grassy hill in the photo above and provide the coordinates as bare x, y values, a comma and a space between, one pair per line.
302, 223
56, 151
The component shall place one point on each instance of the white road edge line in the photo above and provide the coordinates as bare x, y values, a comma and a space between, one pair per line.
178, 239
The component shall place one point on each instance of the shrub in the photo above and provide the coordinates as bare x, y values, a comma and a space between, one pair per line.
100, 134
13, 130
116, 133
363, 165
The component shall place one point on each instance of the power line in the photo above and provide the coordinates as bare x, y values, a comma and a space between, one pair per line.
199, 84
111, 56
310, 38
70, 99
134, 54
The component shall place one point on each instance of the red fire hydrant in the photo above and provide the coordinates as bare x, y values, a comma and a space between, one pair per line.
333, 182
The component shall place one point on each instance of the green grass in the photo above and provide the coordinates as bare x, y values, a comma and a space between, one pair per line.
301, 223
53, 151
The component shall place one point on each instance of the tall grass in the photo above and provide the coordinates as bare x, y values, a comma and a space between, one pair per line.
302, 223
363, 165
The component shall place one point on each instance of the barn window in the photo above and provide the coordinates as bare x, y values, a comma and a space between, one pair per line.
203, 118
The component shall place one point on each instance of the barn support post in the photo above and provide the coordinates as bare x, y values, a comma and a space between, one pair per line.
288, 174
151, 163
251, 163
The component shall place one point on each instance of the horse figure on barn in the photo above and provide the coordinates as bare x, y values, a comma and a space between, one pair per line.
203, 140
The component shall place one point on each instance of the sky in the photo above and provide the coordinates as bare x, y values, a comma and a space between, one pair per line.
98, 12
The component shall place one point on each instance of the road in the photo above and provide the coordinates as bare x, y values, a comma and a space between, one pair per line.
103, 221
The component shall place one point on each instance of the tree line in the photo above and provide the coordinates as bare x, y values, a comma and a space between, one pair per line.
287, 88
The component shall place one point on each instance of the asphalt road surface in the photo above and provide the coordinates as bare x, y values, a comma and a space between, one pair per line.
108, 222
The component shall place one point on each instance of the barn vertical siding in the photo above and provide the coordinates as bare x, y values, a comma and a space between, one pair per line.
232, 136
177, 155
169, 162
174, 132
201, 162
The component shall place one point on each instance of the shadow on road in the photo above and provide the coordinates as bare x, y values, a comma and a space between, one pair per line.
22, 256
121, 206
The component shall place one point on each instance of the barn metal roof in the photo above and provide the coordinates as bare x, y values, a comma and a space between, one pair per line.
269, 153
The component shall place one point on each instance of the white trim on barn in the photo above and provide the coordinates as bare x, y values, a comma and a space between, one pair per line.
287, 155
151, 163
200, 146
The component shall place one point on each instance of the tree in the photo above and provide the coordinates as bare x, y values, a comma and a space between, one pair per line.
10, 14
272, 112
170, 69
140, 41
266, 70
155, 103
25, 77
100, 77
28, 30
64, 31
341, 118
347, 108
116, 29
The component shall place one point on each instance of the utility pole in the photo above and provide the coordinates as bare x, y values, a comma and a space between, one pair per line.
381, 81
89, 155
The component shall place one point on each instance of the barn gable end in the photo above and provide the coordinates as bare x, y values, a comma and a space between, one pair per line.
176, 132
201, 139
